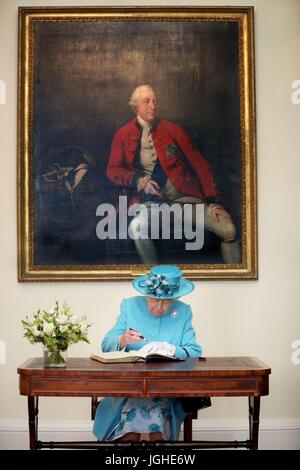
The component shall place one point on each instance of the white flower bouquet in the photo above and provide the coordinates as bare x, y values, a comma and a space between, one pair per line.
56, 329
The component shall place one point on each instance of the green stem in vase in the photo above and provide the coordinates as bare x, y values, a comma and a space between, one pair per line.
55, 357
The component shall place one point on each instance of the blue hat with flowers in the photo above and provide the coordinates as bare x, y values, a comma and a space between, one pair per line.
163, 282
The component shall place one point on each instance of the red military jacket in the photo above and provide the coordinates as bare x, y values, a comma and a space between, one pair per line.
181, 161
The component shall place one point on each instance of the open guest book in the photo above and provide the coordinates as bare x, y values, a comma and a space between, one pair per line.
132, 356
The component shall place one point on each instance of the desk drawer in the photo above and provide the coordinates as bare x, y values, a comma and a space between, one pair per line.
78, 387
209, 386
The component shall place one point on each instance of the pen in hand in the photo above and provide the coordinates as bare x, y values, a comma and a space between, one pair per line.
140, 336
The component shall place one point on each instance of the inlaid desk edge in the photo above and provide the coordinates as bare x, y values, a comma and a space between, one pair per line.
222, 365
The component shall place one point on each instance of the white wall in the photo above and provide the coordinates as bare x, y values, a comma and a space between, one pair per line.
258, 318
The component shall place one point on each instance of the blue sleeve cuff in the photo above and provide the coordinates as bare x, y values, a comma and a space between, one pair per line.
180, 352
111, 344
184, 353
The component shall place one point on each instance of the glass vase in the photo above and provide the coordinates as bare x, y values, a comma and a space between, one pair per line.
55, 358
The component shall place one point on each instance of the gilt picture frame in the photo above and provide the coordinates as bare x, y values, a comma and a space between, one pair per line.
77, 69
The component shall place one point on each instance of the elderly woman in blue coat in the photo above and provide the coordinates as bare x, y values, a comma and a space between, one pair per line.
155, 320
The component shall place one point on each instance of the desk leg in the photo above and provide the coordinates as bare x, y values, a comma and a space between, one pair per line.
188, 428
33, 412
254, 407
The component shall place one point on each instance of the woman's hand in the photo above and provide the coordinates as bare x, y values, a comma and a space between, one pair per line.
159, 347
131, 336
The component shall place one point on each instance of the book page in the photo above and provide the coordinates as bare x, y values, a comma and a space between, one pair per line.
118, 354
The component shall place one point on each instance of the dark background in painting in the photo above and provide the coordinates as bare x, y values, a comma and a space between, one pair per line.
84, 74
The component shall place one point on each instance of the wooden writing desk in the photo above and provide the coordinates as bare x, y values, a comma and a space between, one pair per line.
83, 377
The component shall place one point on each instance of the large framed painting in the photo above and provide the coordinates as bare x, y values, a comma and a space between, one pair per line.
136, 142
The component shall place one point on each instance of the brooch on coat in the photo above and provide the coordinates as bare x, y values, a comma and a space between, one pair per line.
174, 314
173, 151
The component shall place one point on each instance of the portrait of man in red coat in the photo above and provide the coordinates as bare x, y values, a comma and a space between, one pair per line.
143, 146
157, 161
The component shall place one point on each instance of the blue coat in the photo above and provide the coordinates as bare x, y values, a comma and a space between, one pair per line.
175, 327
